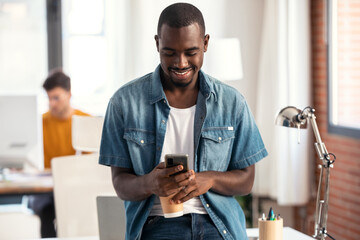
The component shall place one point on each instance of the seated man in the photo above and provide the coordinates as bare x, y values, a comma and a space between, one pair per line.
57, 141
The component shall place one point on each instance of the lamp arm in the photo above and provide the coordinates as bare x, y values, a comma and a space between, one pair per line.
309, 113
321, 205
319, 145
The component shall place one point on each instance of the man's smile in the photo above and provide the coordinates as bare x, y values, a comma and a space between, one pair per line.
181, 73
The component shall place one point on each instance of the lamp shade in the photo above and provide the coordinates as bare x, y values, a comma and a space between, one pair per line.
287, 117
223, 59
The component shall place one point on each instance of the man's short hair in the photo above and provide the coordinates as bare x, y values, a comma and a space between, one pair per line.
57, 78
180, 15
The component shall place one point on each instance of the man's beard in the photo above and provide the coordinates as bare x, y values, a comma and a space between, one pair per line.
181, 84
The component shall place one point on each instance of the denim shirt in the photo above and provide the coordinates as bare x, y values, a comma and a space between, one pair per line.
225, 138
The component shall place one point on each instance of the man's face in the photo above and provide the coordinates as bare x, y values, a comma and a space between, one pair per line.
59, 101
181, 53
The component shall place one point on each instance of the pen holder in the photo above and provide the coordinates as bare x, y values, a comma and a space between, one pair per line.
270, 230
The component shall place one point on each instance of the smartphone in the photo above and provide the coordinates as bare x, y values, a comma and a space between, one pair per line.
177, 159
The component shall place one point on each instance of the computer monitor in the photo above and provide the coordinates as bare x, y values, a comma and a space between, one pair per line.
20, 132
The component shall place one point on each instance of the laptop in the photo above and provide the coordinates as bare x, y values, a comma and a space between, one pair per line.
111, 218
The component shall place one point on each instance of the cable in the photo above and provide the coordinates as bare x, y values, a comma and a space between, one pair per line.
330, 236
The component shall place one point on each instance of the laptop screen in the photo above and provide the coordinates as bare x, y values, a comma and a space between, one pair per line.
111, 218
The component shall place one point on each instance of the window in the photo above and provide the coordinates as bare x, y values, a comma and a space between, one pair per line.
23, 46
344, 67
84, 45
86, 52
92, 51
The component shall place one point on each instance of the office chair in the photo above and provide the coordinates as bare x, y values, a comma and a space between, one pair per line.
79, 179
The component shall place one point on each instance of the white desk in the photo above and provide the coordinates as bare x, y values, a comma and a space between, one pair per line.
288, 234
74, 238
24, 183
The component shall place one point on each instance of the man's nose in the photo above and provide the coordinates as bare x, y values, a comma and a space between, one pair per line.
182, 61
52, 102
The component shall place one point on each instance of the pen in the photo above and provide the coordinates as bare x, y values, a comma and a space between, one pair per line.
271, 213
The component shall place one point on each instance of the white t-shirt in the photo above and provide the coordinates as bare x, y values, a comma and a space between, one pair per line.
179, 139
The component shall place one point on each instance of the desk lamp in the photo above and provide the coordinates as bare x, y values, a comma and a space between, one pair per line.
295, 118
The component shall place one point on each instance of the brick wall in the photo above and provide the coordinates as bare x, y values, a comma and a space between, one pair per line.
344, 205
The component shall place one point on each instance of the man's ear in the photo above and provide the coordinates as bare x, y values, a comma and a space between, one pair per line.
156, 37
206, 42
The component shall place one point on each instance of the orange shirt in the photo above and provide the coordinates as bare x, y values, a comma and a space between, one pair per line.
57, 137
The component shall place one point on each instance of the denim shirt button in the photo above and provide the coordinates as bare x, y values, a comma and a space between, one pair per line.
220, 138
163, 121
158, 148
142, 141
164, 101
224, 232
207, 205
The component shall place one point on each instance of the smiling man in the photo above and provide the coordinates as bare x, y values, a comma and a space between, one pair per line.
180, 109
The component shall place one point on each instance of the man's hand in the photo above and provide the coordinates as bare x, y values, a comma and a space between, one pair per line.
199, 184
131, 187
159, 181
230, 183
163, 183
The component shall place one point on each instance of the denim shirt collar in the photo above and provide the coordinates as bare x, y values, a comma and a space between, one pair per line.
156, 92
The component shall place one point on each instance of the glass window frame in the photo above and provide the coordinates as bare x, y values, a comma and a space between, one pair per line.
332, 127
54, 33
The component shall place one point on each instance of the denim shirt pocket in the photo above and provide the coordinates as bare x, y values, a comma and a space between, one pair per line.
215, 150
141, 146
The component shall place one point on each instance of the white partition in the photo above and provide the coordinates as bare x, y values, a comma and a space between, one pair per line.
86, 133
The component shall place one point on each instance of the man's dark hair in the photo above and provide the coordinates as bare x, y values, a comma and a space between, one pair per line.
180, 15
57, 78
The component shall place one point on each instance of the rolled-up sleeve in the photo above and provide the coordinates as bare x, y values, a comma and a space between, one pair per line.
248, 146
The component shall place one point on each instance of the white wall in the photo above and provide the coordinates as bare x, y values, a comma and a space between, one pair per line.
245, 20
